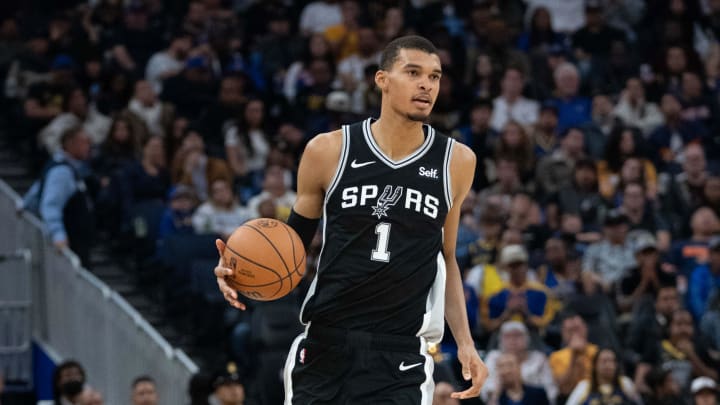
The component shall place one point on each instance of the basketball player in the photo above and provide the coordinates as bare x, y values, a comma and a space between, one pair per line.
390, 192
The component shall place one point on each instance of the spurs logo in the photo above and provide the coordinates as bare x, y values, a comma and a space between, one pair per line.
387, 200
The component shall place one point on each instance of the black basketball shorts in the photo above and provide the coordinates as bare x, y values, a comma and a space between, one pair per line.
328, 366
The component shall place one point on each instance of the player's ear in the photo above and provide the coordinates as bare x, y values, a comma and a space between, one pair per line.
381, 79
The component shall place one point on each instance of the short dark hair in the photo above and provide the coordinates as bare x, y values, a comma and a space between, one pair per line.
391, 51
69, 134
142, 379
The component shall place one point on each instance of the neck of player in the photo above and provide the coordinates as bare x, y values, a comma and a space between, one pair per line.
397, 136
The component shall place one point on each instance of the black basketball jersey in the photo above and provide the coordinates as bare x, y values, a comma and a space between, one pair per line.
381, 268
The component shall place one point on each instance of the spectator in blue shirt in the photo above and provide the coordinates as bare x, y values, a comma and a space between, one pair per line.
65, 204
704, 279
573, 109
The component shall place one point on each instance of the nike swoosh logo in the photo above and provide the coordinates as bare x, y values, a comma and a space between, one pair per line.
355, 165
403, 367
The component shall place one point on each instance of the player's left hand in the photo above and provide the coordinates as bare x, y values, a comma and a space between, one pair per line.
473, 369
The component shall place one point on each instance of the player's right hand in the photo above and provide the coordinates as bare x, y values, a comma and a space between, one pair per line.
222, 271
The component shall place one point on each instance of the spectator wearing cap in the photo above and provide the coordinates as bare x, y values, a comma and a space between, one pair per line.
514, 339
704, 391
573, 362
480, 137
512, 389
169, 61
76, 112
704, 280
634, 109
177, 218
520, 298
684, 191
554, 172
191, 90
545, 132
511, 105
228, 388
573, 109
595, 38
607, 261
645, 279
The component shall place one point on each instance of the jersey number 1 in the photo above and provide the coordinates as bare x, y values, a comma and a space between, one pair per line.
380, 253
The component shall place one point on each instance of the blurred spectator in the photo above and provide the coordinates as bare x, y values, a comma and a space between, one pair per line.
581, 197
567, 17
554, 172
607, 385
510, 105
711, 194
634, 109
596, 37
221, 214
642, 216
573, 109
193, 167
225, 114
606, 262
520, 299
663, 390
704, 391
512, 387
625, 143
228, 389
297, 75
317, 16
146, 179
546, 131
144, 391
192, 89
343, 37
247, 145
169, 62
136, 40
68, 382
89, 396
687, 254
276, 188
644, 280
441, 395
540, 35
684, 352
710, 322
177, 218
351, 69
76, 112
480, 138
148, 115
573, 363
599, 129
558, 274
199, 389
704, 280
667, 142
697, 105
534, 368
62, 195
685, 190
514, 144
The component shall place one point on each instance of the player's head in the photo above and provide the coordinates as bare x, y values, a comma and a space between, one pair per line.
409, 77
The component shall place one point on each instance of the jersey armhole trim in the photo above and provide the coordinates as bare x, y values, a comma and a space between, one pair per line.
446, 177
341, 163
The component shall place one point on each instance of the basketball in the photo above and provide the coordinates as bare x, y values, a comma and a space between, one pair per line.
267, 258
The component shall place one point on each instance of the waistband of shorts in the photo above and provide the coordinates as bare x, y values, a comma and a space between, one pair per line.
361, 339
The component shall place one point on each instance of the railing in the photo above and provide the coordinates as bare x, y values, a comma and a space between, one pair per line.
80, 317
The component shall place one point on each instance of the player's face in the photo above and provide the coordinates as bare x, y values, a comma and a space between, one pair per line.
412, 83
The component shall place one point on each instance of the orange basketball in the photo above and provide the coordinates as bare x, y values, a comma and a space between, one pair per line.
267, 258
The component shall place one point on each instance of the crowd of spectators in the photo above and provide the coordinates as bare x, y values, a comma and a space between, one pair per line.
588, 245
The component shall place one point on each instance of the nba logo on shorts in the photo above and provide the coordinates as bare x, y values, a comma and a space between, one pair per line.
302, 356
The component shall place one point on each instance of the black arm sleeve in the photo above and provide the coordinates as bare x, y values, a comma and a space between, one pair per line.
305, 227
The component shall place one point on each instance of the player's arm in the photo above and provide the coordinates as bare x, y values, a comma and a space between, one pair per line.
462, 168
317, 167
